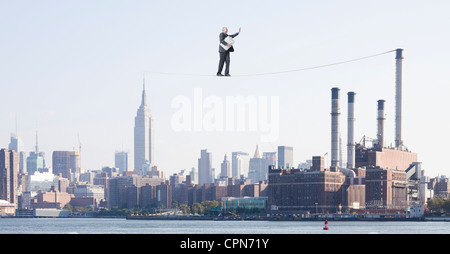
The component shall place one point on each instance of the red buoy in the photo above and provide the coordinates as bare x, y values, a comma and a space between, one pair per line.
326, 225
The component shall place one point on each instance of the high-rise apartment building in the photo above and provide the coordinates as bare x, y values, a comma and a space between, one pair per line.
9, 165
143, 135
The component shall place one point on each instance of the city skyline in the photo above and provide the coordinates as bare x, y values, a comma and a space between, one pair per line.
84, 76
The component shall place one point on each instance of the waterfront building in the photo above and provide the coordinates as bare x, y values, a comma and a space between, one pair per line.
386, 189
118, 193
164, 196
243, 205
293, 191
7, 208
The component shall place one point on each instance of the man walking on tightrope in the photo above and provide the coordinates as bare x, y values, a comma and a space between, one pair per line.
225, 53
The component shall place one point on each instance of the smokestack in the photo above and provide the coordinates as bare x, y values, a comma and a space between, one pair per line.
351, 131
398, 98
340, 150
380, 119
335, 127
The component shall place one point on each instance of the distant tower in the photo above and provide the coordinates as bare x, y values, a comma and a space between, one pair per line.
285, 157
16, 144
143, 134
258, 168
205, 175
225, 167
66, 163
239, 164
121, 161
36, 161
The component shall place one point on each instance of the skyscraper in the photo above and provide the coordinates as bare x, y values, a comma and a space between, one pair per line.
16, 144
75, 164
258, 168
285, 157
143, 135
121, 161
205, 174
225, 167
9, 165
239, 164
61, 163
66, 163
270, 157
36, 161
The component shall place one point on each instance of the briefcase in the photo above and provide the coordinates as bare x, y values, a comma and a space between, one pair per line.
228, 40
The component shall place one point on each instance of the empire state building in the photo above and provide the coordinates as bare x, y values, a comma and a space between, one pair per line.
143, 135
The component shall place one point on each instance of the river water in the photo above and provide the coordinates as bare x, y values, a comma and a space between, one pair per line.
123, 226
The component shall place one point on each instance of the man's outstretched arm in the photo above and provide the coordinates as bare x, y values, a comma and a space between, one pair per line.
236, 34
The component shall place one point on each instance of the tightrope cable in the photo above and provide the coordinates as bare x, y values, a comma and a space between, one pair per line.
279, 72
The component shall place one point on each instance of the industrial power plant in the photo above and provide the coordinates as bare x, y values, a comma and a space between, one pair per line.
376, 179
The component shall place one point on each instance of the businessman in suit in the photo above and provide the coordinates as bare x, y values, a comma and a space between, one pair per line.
225, 54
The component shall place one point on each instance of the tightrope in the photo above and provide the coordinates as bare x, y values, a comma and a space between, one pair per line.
279, 72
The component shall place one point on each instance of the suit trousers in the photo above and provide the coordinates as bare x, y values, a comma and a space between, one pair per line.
224, 58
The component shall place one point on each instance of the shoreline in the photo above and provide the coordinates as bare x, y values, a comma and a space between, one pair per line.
283, 219
216, 218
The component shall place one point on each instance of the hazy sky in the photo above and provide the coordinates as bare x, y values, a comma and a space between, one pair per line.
69, 67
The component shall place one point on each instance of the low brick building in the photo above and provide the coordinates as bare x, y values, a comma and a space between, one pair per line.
294, 191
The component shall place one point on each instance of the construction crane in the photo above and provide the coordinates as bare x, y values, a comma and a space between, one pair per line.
235, 215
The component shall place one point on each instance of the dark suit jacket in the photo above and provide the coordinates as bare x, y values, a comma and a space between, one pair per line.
222, 37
